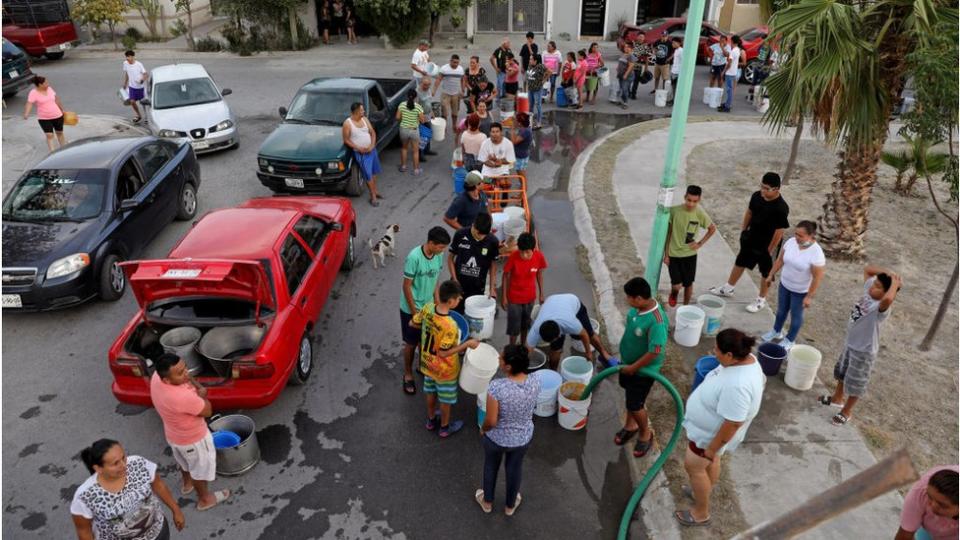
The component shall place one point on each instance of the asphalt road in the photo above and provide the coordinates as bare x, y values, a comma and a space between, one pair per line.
345, 456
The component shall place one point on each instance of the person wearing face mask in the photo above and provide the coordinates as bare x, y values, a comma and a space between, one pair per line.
803, 264
930, 507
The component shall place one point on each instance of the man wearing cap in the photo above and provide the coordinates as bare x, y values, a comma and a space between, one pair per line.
467, 205
421, 57
662, 51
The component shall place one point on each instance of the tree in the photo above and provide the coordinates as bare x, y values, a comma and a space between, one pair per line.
150, 11
918, 159
97, 12
846, 64
185, 7
438, 8
403, 20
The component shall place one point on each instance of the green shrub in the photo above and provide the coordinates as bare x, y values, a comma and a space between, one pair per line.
208, 44
179, 28
128, 42
134, 33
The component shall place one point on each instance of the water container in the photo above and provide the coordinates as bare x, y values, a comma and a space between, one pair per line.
613, 96
704, 366
572, 410
576, 368
456, 161
762, 104
603, 74
688, 324
550, 382
481, 408
497, 227
182, 341
706, 95
243, 456
439, 127
479, 366
523, 102
462, 325
459, 177
712, 307
660, 97
715, 97
514, 228
515, 212
771, 356
480, 310
577, 345
802, 365
561, 98
225, 439
538, 360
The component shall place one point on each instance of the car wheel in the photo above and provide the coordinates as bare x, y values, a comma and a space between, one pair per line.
354, 185
187, 205
112, 279
304, 362
350, 259
53, 55
750, 72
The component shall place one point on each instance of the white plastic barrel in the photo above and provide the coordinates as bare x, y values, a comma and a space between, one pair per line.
660, 98
550, 382
803, 361
439, 126
514, 212
577, 345
572, 413
479, 366
687, 329
480, 310
576, 368
513, 228
715, 97
762, 104
499, 220
712, 307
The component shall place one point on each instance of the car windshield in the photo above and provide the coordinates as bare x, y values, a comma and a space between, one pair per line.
321, 107
183, 93
650, 25
10, 50
56, 195
751, 34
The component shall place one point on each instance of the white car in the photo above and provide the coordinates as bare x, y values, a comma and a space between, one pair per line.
186, 103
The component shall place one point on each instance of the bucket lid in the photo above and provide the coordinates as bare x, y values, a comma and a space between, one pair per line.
484, 357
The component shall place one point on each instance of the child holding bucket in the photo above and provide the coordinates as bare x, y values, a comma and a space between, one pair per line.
440, 350
643, 344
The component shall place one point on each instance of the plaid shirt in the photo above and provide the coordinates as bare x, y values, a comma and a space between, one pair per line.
642, 52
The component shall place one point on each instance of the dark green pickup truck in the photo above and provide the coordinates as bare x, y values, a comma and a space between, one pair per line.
306, 152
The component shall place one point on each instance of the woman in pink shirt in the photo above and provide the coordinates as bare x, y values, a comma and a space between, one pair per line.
580, 77
930, 507
49, 110
594, 62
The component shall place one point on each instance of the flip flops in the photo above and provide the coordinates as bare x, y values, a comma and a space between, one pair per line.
221, 496
446, 431
409, 387
186, 490
509, 511
828, 400
643, 447
839, 419
686, 519
624, 435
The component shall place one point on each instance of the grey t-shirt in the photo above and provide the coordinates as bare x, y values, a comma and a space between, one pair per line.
863, 329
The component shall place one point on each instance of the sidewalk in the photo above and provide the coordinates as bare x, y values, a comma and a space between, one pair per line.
791, 451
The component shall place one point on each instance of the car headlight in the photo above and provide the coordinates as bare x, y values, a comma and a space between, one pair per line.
68, 265
270, 168
171, 133
262, 162
335, 165
226, 124
318, 171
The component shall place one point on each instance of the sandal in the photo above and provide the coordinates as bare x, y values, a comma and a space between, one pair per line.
409, 387
509, 511
186, 490
828, 400
624, 435
432, 423
478, 496
840, 419
221, 496
643, 447
374, 203
686, 519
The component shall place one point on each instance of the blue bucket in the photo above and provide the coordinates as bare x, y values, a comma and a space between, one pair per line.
459, 177
462, 324
704, 366
225, 439
771, 356
561, 97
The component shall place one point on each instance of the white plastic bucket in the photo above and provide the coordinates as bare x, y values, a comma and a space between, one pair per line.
576, 368
762, 104
513, 228
614, 94
439, 126
479, 366
514, 212
706, 95
688, 325
577, 345
660, 98
803, 361
715, 97
604, 75
712, 307
550, 382
480, 310
499, 220
572, 413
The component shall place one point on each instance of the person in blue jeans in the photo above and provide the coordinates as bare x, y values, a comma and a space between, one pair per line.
507, 427
803, 264
499, 62
625, 73
536, 75
731, 74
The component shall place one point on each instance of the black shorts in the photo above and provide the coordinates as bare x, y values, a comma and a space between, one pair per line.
518, 318
717, 71
683, 270
511, 87
751, 256
584, 318
411, 335
637, 388
54, 124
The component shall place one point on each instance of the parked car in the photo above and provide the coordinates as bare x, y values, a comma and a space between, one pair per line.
753, 39
16, 69
72, 219
253, 281
673, 26
39, 27
185, 103
306, 152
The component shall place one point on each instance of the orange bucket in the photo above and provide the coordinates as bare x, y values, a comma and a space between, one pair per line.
70, 118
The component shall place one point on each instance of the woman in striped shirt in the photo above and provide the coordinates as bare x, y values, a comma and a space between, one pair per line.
410, 115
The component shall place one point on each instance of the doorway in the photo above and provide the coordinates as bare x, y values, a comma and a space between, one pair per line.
593, 13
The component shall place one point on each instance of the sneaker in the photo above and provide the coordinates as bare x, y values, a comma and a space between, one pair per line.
757, 305
786, 344
722, 290
672, 300
455, 426
771, 336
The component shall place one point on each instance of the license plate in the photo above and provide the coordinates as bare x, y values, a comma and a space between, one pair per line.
12, 301
64, 46
200, 145
293, 182
14, 74
181, 273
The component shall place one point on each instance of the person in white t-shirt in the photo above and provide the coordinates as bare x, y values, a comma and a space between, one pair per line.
730, 74
677, 57
803, 264
450, 84
419, 61
134, 78
496, 153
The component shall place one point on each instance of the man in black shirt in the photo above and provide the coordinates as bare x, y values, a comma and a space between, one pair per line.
526, 51
499, 62
761, 232
467, 205
662, 51
473, 257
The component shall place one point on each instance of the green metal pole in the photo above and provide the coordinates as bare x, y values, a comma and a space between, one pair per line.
678, 125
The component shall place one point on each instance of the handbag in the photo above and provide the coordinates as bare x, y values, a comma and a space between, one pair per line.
645, 76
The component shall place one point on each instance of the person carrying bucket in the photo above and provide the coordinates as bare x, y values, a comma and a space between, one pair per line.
680, 254
564, 315
440, 350
644, 344
473, 258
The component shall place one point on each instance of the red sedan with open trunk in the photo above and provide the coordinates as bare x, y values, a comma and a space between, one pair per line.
237, 298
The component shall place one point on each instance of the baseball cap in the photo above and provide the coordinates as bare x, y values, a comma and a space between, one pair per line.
427, 43
474, 178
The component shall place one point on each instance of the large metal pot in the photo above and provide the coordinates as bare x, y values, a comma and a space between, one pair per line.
182, 341
243, 457
223, 344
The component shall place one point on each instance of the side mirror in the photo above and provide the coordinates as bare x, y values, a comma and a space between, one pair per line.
283, 112
145, 101
128, 204
337, 226
226, 92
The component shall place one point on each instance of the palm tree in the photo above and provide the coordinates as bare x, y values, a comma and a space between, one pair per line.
900, 162
845, 65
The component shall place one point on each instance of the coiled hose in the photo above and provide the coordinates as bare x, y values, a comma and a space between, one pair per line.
664, 454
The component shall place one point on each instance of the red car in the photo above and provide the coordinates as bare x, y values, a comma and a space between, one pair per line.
39, 27
673, 26
752, 38
252, 281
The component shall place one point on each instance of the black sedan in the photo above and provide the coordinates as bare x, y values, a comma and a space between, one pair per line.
70, 221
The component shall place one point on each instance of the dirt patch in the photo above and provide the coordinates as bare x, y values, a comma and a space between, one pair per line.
912, 397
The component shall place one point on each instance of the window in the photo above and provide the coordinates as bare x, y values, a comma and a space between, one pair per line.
376, 100
57, 195
313, 231
152, 157
128, 181
510, 16
295, 261
171, 94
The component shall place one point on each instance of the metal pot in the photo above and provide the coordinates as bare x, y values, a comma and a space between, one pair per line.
243, 457
223, 344
182, 342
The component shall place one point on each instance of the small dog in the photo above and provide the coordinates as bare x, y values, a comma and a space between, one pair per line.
384, 247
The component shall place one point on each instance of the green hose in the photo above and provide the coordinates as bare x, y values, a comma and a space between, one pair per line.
664, 454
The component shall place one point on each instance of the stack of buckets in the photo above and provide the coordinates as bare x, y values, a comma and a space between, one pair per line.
479, 367
576, 372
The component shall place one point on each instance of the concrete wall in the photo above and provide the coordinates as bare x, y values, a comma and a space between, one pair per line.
619, 10
744, 16
168, 16
566, 18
